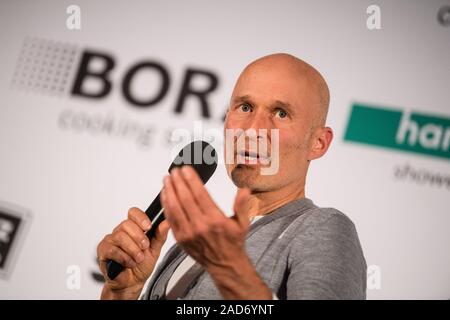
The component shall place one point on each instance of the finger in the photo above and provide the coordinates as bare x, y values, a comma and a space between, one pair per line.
201, 195
140, 218
187, 200
160, 236
172, 208
126, 243
241, 206
106, 250
135, 232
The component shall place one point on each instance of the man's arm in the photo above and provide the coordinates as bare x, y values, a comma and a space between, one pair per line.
327, 262
240, 281
209, 237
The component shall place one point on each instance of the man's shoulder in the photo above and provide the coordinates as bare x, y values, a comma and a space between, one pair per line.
328, 229
324, 214
305, 208
323, 218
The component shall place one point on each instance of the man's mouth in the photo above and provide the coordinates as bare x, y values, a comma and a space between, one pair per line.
245, 156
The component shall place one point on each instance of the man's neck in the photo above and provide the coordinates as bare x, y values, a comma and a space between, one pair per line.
262, 203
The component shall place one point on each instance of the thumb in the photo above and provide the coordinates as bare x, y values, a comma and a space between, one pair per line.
242, 206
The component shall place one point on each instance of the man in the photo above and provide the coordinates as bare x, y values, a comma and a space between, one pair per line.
291, 250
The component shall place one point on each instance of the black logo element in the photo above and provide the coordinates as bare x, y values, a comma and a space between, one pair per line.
12, 222
443, 16
58, 68
101, 76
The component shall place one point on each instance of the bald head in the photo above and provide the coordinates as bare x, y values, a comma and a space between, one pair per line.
305, 78
289, 99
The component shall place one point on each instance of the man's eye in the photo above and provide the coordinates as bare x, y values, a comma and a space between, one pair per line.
245, 107
281, 114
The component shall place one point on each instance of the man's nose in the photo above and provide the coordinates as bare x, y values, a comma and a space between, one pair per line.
258, 127
260, 120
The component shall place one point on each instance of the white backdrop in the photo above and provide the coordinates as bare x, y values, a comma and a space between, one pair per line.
71, 184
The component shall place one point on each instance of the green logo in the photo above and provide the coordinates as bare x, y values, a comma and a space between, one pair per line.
400, 130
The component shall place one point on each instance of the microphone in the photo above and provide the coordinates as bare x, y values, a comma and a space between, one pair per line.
203, 158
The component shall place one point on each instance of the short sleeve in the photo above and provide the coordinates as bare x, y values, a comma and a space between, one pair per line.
326, 261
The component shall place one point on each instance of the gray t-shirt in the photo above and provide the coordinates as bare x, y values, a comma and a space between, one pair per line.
301, 251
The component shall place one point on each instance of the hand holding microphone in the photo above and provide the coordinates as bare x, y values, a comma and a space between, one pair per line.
127, 256
130, 248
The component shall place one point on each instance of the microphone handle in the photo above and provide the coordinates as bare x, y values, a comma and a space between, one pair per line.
155, 213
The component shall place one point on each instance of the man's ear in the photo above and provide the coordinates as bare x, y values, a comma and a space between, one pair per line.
321, 141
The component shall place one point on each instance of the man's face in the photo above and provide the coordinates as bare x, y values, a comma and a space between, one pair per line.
272, 96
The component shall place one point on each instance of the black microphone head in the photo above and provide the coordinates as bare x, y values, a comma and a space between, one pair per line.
201, 156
